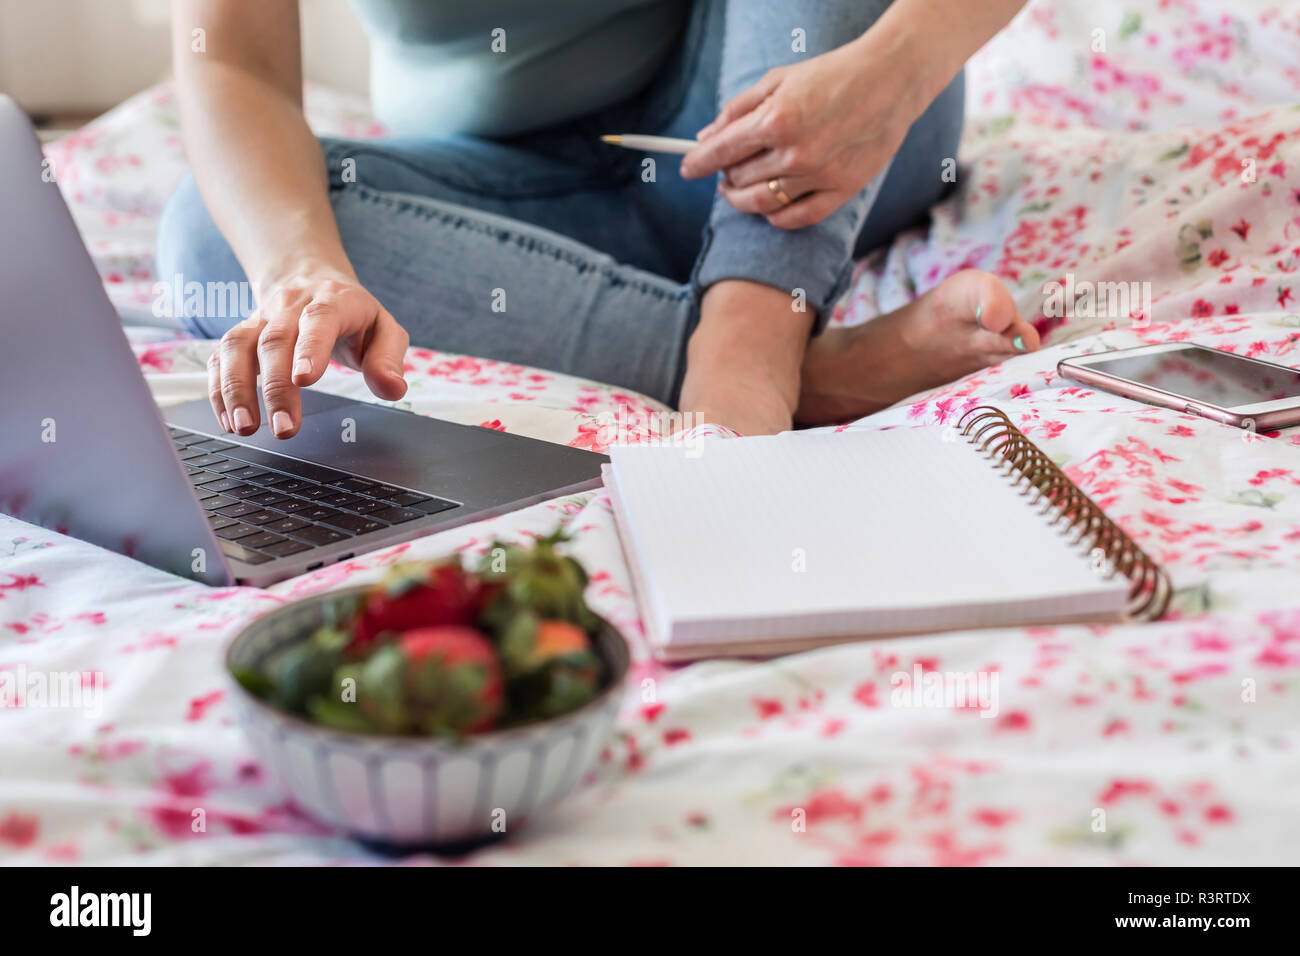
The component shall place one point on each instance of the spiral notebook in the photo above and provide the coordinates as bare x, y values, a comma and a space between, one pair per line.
766, 545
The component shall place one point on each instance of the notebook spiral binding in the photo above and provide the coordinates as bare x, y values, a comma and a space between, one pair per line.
1109, 546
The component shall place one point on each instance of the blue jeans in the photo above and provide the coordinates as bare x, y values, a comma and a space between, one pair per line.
549, 249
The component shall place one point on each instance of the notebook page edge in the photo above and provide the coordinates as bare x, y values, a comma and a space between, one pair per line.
656, 637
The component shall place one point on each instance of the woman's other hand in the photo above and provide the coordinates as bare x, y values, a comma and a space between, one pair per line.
300, 323
819, 130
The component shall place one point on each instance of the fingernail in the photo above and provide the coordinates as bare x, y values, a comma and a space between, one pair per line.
281, 423
302, 367
225, 421
979, 310
1018, 344
242, 418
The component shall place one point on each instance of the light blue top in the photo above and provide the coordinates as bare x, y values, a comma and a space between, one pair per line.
499, 67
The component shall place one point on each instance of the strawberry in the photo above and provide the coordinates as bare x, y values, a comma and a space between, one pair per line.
452, 680
550, 666
416, 596
553, 639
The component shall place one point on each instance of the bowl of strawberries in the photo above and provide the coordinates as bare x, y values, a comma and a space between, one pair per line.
446, 703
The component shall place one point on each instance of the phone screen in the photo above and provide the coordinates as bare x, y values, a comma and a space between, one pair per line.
1206, 375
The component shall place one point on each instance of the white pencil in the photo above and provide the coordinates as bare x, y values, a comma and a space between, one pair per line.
650, 144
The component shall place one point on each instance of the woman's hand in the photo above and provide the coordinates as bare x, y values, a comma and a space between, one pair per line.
814, 133
300, 323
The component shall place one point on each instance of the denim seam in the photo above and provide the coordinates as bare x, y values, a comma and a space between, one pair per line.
528, 243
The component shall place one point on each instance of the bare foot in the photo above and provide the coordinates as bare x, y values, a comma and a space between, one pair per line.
848, 373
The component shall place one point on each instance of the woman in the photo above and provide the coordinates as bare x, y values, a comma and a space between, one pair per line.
496, 223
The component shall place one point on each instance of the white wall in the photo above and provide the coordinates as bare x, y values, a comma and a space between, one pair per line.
86, 55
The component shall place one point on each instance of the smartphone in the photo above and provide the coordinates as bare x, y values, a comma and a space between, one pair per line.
1233, 389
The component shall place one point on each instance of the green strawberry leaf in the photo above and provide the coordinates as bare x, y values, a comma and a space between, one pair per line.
380, 691
302, 672
516, 641
331, 712
255, 682
568, 691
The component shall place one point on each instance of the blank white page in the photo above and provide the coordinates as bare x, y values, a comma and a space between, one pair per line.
824, 535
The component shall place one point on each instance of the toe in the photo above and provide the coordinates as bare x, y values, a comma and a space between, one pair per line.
989, 299
1025, 333
986, 296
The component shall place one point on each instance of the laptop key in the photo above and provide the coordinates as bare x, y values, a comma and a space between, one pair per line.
342, 500
286, 548
268, 498
249, 472
397, 515
217, 501
382, 491
224, 485
302, 469
203, 461
262, 539
237, 530
367, 505
434, 505
246, 491
261, 517
353, 484
288, 484
204, 494
283, 525
406, 499
314, 534
317, 513
189, 454
192, 471
225, 467
355, 524
233, 549
292, 505
218, 522
213, 444
239, 509
313, 492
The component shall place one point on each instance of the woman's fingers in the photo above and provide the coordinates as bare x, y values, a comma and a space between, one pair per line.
742, 103
275, 351
808, 211
761, 199
214, 389
761, 167
238, 357
319, 328
736, 141
383, 357
291, 347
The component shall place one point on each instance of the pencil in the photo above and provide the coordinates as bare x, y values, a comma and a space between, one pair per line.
650, 144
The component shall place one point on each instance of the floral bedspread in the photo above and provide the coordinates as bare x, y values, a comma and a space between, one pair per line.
1162, 150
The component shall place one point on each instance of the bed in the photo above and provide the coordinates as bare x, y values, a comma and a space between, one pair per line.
1118, 142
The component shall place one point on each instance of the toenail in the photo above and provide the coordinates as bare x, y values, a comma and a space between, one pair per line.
1018, 343
979, 310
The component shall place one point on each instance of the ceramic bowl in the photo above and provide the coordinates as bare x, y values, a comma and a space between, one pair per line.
413, 791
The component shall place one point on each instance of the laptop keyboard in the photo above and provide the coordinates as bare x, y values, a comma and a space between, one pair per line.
264, 506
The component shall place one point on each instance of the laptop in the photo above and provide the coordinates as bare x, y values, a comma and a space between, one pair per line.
86, 451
